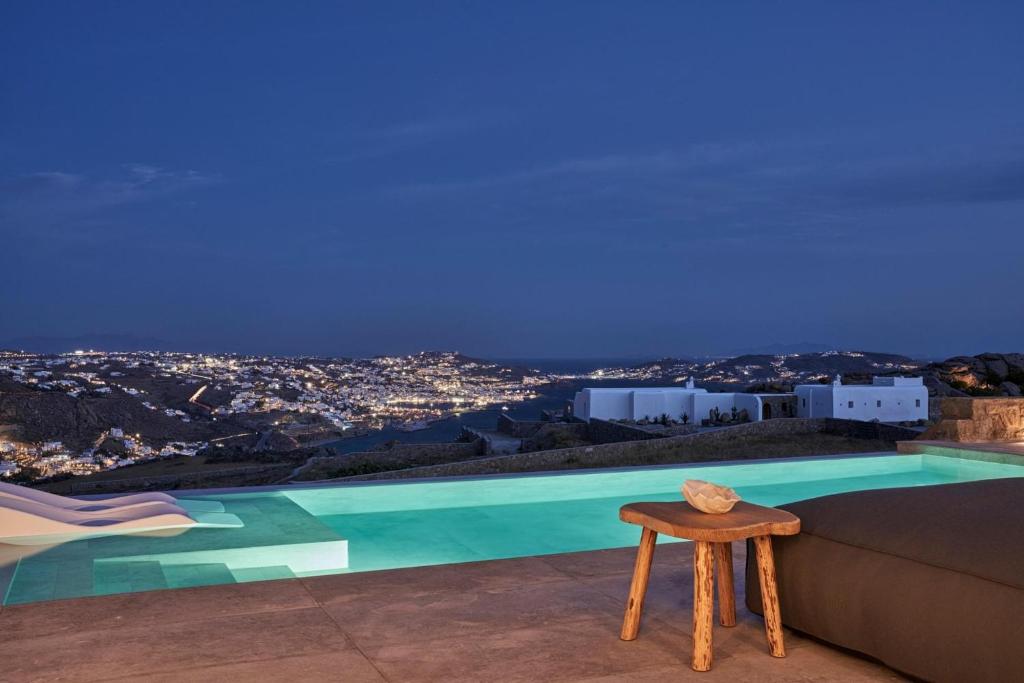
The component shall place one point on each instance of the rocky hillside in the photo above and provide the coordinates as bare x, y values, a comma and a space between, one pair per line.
751, 370
78, 421
987, 374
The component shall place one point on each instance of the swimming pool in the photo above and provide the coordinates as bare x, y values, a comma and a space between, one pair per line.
314, 530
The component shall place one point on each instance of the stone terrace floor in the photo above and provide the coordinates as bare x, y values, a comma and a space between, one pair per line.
552, 618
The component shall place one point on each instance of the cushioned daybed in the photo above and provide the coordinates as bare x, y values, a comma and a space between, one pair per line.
928, 580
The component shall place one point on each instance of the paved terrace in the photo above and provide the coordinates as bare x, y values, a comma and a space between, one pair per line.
553, 618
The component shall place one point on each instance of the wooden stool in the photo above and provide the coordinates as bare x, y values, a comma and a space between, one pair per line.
712, 536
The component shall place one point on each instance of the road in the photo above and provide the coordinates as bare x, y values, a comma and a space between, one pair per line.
261, 444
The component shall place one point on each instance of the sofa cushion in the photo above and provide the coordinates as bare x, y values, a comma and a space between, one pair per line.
975, 528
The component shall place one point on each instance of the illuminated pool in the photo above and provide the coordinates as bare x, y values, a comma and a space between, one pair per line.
292, 532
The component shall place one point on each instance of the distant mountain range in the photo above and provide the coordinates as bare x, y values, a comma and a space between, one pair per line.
781, 349
986, 374
103, 342
767, 370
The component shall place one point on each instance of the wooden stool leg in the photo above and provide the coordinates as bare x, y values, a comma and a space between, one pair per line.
638, 589
726, 594
769, 595
703, 604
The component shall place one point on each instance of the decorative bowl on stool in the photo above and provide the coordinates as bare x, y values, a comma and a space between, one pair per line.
710, 498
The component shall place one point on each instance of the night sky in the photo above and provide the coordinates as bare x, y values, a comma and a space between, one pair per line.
514, 179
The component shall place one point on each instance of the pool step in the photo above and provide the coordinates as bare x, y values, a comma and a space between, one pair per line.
133, 575
301, 559
199, 574
263, 573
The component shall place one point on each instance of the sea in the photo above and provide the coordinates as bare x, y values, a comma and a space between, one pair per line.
551, 397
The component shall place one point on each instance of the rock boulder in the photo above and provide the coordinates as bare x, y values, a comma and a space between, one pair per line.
1010, 389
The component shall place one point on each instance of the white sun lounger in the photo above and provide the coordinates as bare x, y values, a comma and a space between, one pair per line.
52, 499
25, 522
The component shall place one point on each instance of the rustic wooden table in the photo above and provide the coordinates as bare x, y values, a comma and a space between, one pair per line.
712, 536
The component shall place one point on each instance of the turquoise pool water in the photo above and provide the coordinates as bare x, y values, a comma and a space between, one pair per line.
337, 529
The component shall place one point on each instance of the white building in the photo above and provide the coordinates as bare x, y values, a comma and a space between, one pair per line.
886, 399
629, 403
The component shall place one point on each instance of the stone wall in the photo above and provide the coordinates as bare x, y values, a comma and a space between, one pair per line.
249, 476
979, 420
858, 429
455, 449
603, 431
397, 456
596, 431
468, 435
520, 429
781, 405
666, 450
557, 435
673, 430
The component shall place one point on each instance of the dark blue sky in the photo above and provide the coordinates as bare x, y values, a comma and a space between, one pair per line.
514, 179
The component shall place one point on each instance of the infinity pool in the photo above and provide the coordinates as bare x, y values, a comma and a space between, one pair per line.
294, 532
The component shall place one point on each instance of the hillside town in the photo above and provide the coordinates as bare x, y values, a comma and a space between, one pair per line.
88, 411
198, 399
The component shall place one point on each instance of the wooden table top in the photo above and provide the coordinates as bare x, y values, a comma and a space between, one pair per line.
681, 520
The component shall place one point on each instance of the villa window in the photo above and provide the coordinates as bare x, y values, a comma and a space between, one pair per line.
878, 404
849, 404
917, 403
